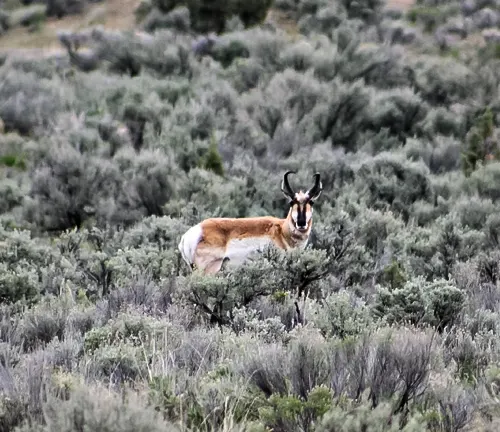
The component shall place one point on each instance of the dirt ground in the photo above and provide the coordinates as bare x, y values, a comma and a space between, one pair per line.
403, 5
112, 14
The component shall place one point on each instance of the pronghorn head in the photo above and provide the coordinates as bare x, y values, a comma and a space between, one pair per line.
301, 203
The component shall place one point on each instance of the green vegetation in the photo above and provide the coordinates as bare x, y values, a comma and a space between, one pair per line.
211, 15
109, 153
30, 16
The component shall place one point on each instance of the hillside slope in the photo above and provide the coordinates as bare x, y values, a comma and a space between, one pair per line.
111, 14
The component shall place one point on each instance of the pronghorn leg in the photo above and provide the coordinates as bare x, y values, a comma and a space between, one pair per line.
214, 266
209, 259
224, 263
298, 313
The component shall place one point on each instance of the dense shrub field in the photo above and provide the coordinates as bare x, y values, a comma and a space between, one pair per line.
109, 152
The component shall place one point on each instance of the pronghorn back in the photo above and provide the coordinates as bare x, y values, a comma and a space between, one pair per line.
216, 240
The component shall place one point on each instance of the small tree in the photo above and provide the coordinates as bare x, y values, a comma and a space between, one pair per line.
480, 142
212, 159
270, 272
212, 15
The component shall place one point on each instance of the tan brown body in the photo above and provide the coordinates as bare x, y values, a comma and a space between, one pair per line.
208, 244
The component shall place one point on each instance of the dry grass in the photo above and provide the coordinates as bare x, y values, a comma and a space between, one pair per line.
403, 5
282, 20
112, 14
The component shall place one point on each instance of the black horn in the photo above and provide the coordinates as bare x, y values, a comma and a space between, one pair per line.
315, 191
285, 186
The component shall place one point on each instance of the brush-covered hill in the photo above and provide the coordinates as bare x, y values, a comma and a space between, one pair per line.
124, 123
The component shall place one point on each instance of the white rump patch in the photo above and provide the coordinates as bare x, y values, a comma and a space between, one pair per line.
188, 243
239, 249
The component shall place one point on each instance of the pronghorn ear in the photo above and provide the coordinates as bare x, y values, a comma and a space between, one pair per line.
316, 190
315, 197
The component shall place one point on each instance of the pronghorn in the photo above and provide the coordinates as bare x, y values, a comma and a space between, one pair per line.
210, 243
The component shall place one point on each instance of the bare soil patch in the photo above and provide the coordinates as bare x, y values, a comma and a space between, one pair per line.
403, 5
111, 14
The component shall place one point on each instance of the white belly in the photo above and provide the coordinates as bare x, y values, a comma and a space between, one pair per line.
238, 250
